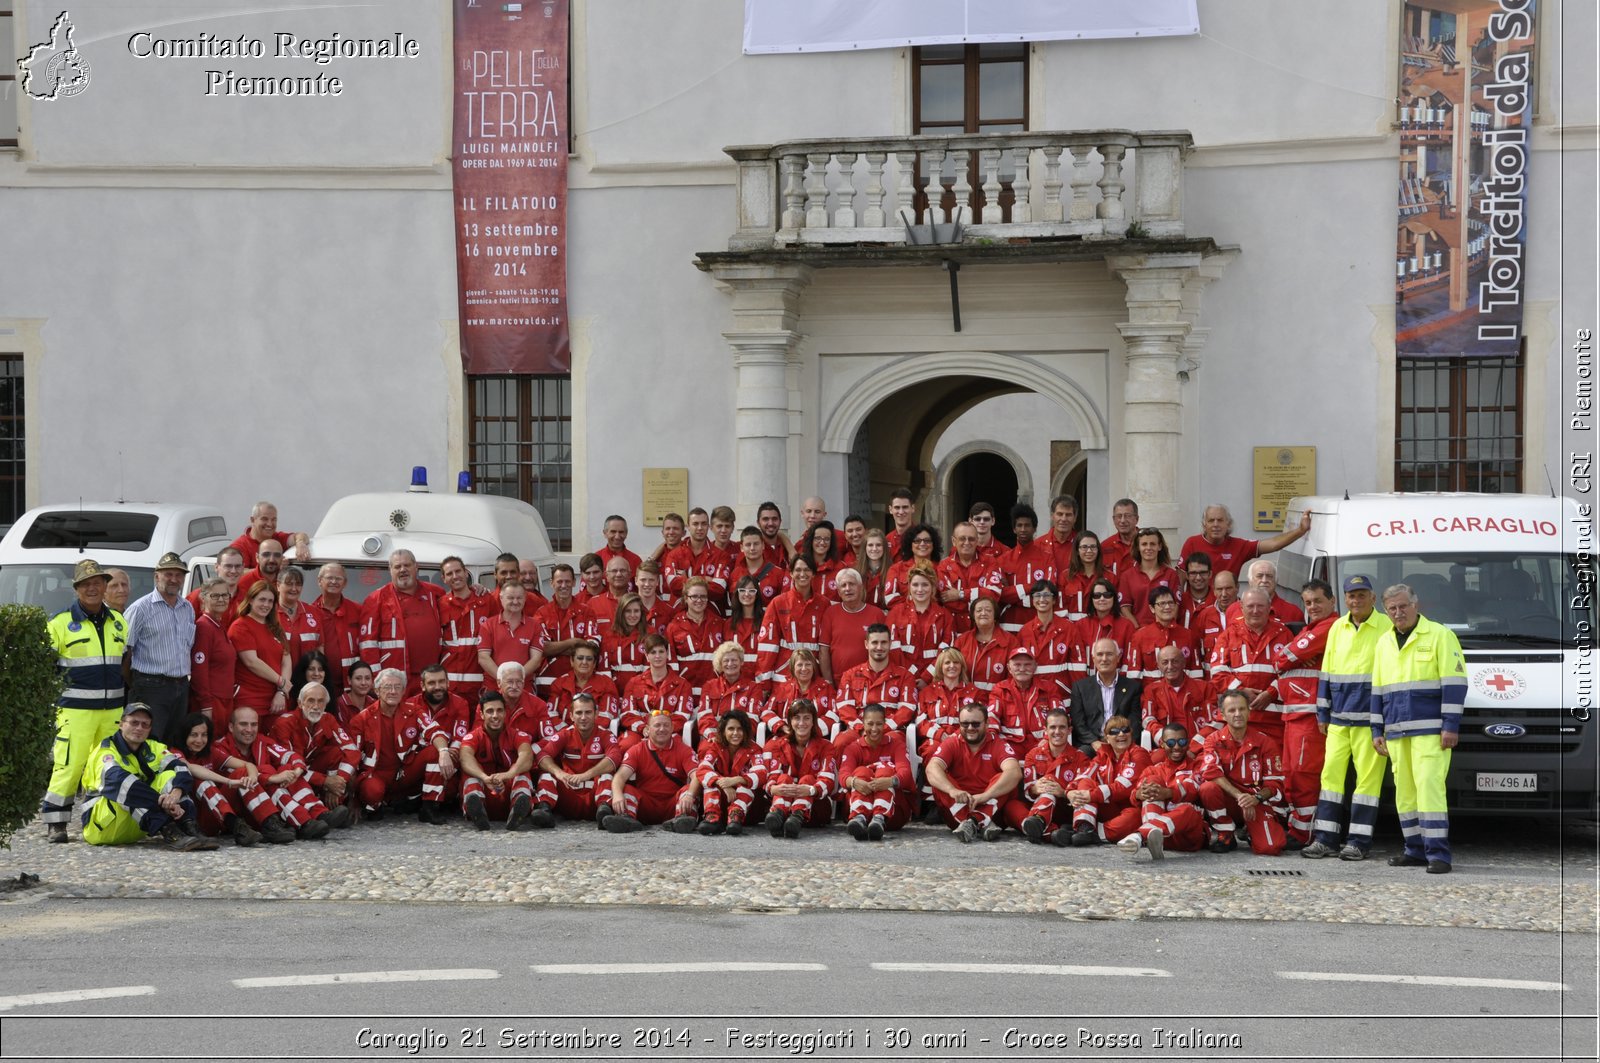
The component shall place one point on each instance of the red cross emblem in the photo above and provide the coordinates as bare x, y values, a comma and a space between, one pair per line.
1499, 682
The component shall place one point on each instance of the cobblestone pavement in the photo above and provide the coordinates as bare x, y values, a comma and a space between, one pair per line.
1508, 875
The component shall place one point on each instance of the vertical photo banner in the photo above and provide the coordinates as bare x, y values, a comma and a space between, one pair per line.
1466, 114
509, 152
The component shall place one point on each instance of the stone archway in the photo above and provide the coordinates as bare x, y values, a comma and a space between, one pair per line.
945, 506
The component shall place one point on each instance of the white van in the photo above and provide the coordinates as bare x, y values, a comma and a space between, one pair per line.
39, 552
1504, 573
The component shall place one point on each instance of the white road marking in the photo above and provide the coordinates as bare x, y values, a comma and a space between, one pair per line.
1423, 979
1023, 968
68, 996
672, 968
459, 974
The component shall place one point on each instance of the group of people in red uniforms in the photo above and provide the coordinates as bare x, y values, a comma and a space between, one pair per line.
1071, 688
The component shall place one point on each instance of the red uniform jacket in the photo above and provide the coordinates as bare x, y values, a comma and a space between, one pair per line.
894, 688
304, 630
855, 754
917, 637
1181, 778
266, 753
1190, 703
1118, 629
717, 761
534, 716
341, 636
574, 754
818, 762
693, 644
496, 753
1243, 659
462, 621
769, 580
560, 625
211, 673
456, 717
383, 628
313, 741
644, 694
790, 623
1299, 664
981, 579
1025, 566
1251, 764
664, 774
1110, 777
939, 710
986, 661
820, 693
1019, 714
710, 564
414, 731
972, 770
1056, 649
1141, 662
1133, 586
1063, 767
717, 698
607, 698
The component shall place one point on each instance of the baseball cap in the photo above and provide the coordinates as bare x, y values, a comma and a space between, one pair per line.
1357, 583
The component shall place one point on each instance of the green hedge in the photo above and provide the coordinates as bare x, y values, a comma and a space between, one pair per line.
30, 683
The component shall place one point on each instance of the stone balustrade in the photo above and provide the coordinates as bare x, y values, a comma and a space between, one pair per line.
1093, 185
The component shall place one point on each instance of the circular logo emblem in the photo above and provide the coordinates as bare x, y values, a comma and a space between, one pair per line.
1499, 684
200, 657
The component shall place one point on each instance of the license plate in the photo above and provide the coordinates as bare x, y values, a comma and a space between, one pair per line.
1501, 782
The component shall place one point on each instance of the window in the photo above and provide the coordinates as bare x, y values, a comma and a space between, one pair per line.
521, 444
969, 88
13, 450
1459, 424
9, 89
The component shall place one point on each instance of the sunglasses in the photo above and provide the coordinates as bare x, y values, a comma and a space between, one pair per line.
1102, 594
1176, 743
972, 723
660, 712
1119, 731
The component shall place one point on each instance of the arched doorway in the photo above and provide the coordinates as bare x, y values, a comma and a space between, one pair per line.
982, 476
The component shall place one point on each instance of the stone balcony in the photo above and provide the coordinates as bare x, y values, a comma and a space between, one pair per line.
1085, 187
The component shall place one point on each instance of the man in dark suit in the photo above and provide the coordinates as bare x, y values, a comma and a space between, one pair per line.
1104, 694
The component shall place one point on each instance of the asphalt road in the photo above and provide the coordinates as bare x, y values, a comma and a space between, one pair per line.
417, 981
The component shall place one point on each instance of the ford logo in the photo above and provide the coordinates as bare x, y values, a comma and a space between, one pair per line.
1505, 730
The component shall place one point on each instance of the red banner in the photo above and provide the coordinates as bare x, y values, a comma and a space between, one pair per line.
510, 180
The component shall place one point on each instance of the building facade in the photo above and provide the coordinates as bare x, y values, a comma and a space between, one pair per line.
1175, 250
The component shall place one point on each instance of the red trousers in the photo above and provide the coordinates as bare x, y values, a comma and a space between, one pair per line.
817, 811
498, 805
1055, 812
892, 805
297, 803
1113, 820
955, 815
716, 804
211, 806
417, 775
651, 807
1303, 747
573, 802
1264, 827
1182, 826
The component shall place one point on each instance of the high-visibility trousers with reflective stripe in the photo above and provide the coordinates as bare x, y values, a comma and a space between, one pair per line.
1345, 746
1420, 766
79, 733
108, 823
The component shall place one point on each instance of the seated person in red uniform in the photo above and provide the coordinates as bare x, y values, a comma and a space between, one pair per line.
971, 773
1103, 808
875, 775
652, 785
327, 748
1047, 774
1242, 778
575, 767
1168, 794
802, 772
495, 762
729, 774
404, 754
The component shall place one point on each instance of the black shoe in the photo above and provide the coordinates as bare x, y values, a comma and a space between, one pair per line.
1407, 861
876, 828
180, 842
244, 835
374, 814
337, 817
708, 827
55, 833
681, 825
521, 814
276, 831
1438, 867
857, 828
1062, 836
774, 823
735, 826
312, 830
430, 813
602, 812
1033, 827
622, 824
792, 825
188, 828
1293, 845
933, 816
543, 817
1085, 836
476, 812
1224, 845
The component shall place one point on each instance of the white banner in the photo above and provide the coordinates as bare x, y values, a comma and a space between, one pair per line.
845, 25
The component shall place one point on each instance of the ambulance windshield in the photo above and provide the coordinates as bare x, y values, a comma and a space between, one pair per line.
1529, 599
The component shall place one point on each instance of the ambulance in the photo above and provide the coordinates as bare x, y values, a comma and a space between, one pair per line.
1514, 577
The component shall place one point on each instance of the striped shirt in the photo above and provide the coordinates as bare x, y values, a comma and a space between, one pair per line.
160, 636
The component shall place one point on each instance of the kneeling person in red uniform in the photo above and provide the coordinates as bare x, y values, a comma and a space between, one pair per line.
495, 762
1243, 777
658, 769
970, 773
